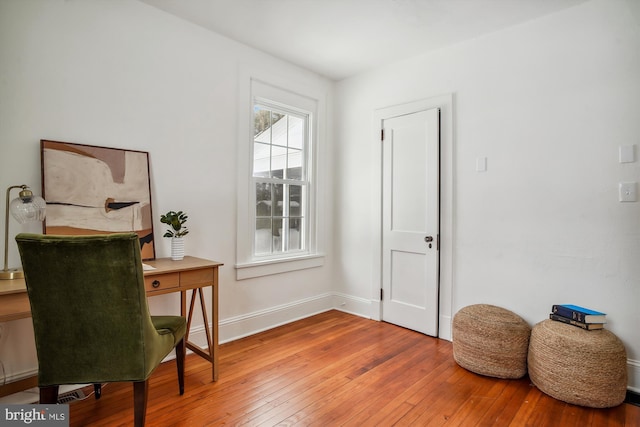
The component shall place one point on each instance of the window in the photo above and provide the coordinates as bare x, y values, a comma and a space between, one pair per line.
278, 185
280, 141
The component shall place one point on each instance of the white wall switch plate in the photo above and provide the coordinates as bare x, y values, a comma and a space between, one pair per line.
481, 164
628, 192
627, 153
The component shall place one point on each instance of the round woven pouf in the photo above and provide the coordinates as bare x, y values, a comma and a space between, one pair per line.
587, 368
491, 341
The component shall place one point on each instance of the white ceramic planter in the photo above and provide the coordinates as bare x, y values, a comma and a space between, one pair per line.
177, 248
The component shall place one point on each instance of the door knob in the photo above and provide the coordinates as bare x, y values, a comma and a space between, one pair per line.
428, 239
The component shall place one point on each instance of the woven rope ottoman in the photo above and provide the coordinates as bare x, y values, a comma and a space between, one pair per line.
587, 368
491, 341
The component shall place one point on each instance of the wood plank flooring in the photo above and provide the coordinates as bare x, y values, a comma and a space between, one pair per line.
335, 369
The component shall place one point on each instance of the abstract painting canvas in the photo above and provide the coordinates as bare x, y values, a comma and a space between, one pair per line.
97, 190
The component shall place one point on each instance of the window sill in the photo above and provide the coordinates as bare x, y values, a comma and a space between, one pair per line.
276, 266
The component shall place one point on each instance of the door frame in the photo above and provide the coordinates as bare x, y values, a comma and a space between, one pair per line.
445, 298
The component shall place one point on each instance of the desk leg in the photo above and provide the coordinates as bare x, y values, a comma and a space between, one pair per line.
214, 321
183, 312
183, 304
212, 342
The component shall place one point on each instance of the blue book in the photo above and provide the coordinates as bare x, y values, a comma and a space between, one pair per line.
580, 314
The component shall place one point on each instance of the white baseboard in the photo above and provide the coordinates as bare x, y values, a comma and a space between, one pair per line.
234, 328
633, 375
352, 305
444, 328
10, 378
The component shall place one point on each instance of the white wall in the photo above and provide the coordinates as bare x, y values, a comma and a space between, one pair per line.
548, 103
120, 73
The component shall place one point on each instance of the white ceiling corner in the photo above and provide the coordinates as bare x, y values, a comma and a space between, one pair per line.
341, 38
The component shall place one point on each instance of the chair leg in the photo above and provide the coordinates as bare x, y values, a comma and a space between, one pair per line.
140, 395
181, 349
49, 394
97, 389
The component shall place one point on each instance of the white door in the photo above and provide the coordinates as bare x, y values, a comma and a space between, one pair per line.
410, 220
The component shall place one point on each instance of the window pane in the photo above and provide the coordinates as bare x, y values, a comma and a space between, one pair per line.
263, 236
295, 241
275, 118
294, 164
295, 200
277, 235
261, 124
279, 130
261, 159
263, 200
277, 198
296, 132
278, 161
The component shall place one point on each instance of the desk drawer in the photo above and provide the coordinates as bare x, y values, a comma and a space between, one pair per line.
161, 281
197, 277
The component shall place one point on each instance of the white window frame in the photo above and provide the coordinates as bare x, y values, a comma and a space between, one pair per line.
276, 91
306, 183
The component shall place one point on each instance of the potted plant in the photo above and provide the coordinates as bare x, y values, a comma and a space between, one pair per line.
176, 231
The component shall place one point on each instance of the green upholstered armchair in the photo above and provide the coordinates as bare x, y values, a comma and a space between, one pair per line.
90, 315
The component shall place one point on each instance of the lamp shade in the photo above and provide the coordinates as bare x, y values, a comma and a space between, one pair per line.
26, 208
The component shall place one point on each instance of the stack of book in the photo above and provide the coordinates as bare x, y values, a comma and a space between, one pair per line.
578, 316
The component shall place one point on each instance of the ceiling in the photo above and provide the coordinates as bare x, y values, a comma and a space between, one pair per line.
341, 38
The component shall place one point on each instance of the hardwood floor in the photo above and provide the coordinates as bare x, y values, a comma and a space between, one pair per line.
336, 369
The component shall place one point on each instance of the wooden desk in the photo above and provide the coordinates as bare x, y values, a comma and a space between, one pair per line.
190, 274
193, 274
14, 302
